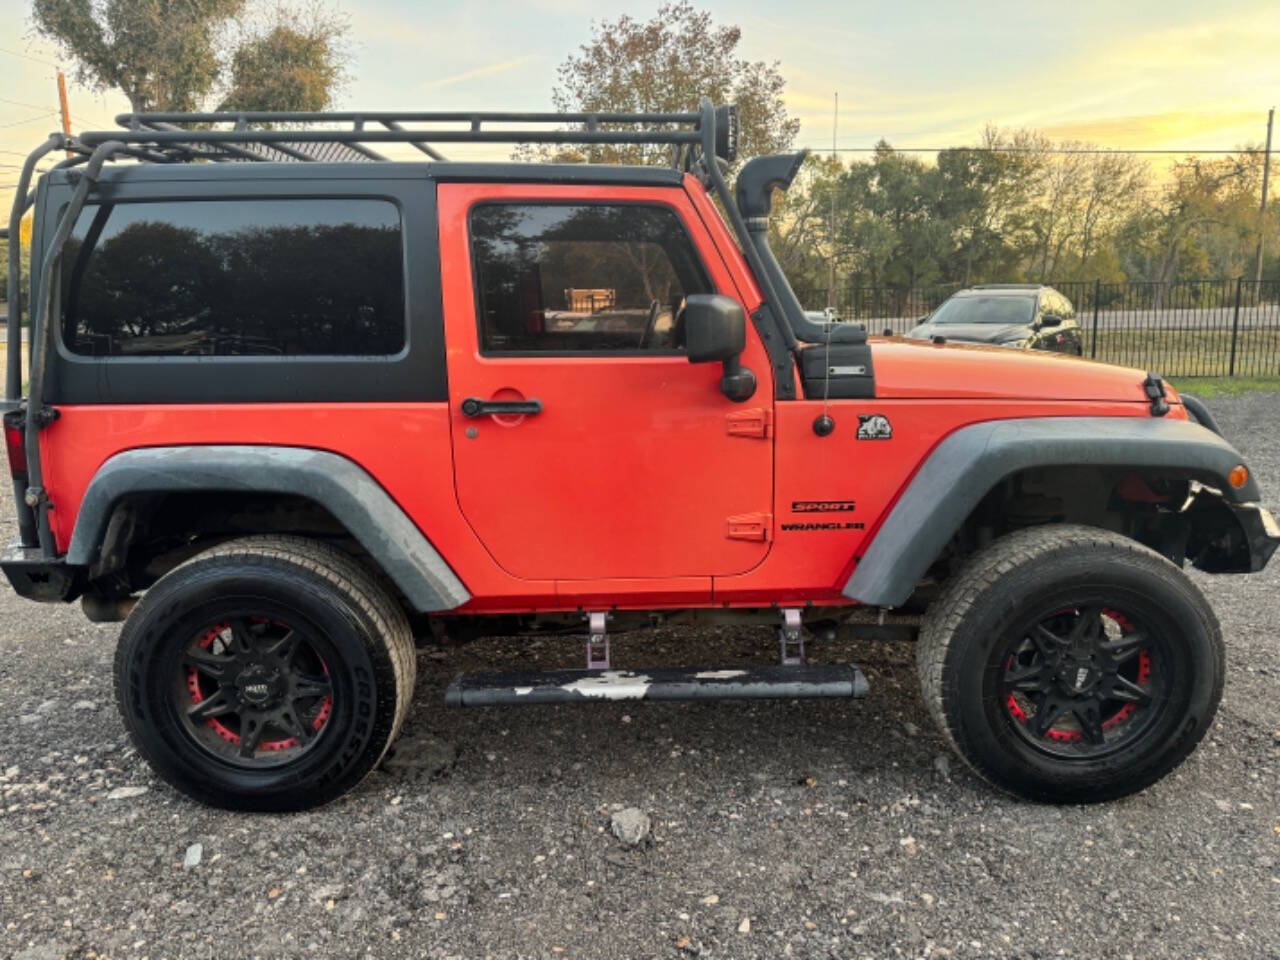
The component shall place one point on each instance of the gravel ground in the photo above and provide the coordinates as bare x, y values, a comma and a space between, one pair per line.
837, 829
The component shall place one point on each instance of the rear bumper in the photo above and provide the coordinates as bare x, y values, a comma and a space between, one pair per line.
37, 578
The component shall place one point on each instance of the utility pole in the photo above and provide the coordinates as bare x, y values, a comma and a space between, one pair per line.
831, 219
1262, 214
63, 108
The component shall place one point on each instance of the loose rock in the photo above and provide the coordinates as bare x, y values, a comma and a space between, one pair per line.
421, 754
126, 793
631, 826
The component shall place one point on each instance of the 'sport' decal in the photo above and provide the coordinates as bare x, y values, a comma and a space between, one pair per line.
823, 506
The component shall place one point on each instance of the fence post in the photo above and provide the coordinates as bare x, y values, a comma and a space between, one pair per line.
1097, 295
1235, 329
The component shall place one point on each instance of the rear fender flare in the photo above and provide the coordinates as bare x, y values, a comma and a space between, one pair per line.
968, 463
339, 485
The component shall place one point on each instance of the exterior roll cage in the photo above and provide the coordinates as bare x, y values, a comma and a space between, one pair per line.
704, 142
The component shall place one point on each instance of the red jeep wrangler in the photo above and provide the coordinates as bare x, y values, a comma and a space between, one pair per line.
289, 409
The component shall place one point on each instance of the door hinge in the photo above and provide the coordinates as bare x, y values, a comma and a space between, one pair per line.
756, 422
749, 526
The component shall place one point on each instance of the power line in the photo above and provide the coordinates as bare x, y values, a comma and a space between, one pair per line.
23, 103
38, 116
27, 56
1038, 150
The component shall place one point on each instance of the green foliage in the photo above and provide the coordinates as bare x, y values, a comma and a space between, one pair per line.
162, 53
1208, 387
24, 260
298, 64
1020, 213
665, 65
172, 55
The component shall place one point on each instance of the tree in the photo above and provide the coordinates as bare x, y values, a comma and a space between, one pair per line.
170, 55
24, 263
162, 53
1205, 204
298, 63
983, 196
665, 65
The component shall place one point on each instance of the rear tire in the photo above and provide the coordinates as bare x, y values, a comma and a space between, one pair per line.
1071, 664
267, 673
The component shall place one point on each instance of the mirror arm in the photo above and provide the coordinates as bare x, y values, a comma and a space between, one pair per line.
737, 382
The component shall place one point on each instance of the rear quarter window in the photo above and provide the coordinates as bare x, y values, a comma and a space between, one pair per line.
275, 277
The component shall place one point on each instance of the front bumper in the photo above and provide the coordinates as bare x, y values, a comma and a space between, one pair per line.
1227, 537
1261, 532
35, 577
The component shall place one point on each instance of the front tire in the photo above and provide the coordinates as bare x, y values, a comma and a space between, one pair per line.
1071, 664
268, 673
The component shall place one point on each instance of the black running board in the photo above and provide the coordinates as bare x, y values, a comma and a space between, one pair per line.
661, 683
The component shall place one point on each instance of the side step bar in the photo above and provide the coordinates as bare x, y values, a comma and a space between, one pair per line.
660, 683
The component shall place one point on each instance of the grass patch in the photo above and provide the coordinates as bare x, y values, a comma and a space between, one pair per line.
1207, 387
1193, 353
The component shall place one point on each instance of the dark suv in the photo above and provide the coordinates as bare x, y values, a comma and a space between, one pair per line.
1029, 316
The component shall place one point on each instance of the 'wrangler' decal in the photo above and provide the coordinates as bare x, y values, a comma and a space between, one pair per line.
833, 525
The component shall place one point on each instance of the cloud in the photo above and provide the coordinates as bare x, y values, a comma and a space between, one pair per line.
1158, 129
486, 71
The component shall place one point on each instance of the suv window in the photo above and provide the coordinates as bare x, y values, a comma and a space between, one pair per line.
582, 278
287, 277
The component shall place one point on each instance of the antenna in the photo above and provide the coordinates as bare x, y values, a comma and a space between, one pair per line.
831, 219
1262, 214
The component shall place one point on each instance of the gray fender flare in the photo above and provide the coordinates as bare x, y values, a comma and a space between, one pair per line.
339, 485
962, 469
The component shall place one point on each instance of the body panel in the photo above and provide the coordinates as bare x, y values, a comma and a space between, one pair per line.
630, 469
341, 486
815, 543
921, 370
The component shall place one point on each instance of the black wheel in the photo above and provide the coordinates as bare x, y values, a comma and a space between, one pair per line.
1071, 664
268, 673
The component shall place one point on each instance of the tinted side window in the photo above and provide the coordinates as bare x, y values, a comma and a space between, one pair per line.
570, 279
235, 277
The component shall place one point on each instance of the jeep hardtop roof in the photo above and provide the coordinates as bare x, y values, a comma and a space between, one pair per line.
587, 173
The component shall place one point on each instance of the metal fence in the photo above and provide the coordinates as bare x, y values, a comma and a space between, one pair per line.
1194, 328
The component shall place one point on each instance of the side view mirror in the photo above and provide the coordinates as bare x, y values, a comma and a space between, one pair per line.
1050, 320
716, 330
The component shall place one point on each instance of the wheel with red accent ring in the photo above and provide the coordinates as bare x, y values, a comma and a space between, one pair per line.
265, 674
1071, 664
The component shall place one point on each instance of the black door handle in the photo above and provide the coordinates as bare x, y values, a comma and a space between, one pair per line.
475, 407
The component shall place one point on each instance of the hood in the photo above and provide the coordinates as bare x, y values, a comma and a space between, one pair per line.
971, 332
913, 368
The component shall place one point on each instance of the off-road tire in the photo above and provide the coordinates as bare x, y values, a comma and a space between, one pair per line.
365, 631
979, 608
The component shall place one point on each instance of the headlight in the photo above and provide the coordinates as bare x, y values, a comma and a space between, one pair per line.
1014, 343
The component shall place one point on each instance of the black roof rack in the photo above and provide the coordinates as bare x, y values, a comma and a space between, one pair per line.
349, 137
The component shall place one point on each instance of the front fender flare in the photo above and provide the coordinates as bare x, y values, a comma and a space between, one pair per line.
339, 485
969, 462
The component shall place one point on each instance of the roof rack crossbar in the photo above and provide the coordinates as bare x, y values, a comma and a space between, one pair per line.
419, 144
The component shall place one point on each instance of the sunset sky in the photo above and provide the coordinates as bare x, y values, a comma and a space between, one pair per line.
1137, 73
